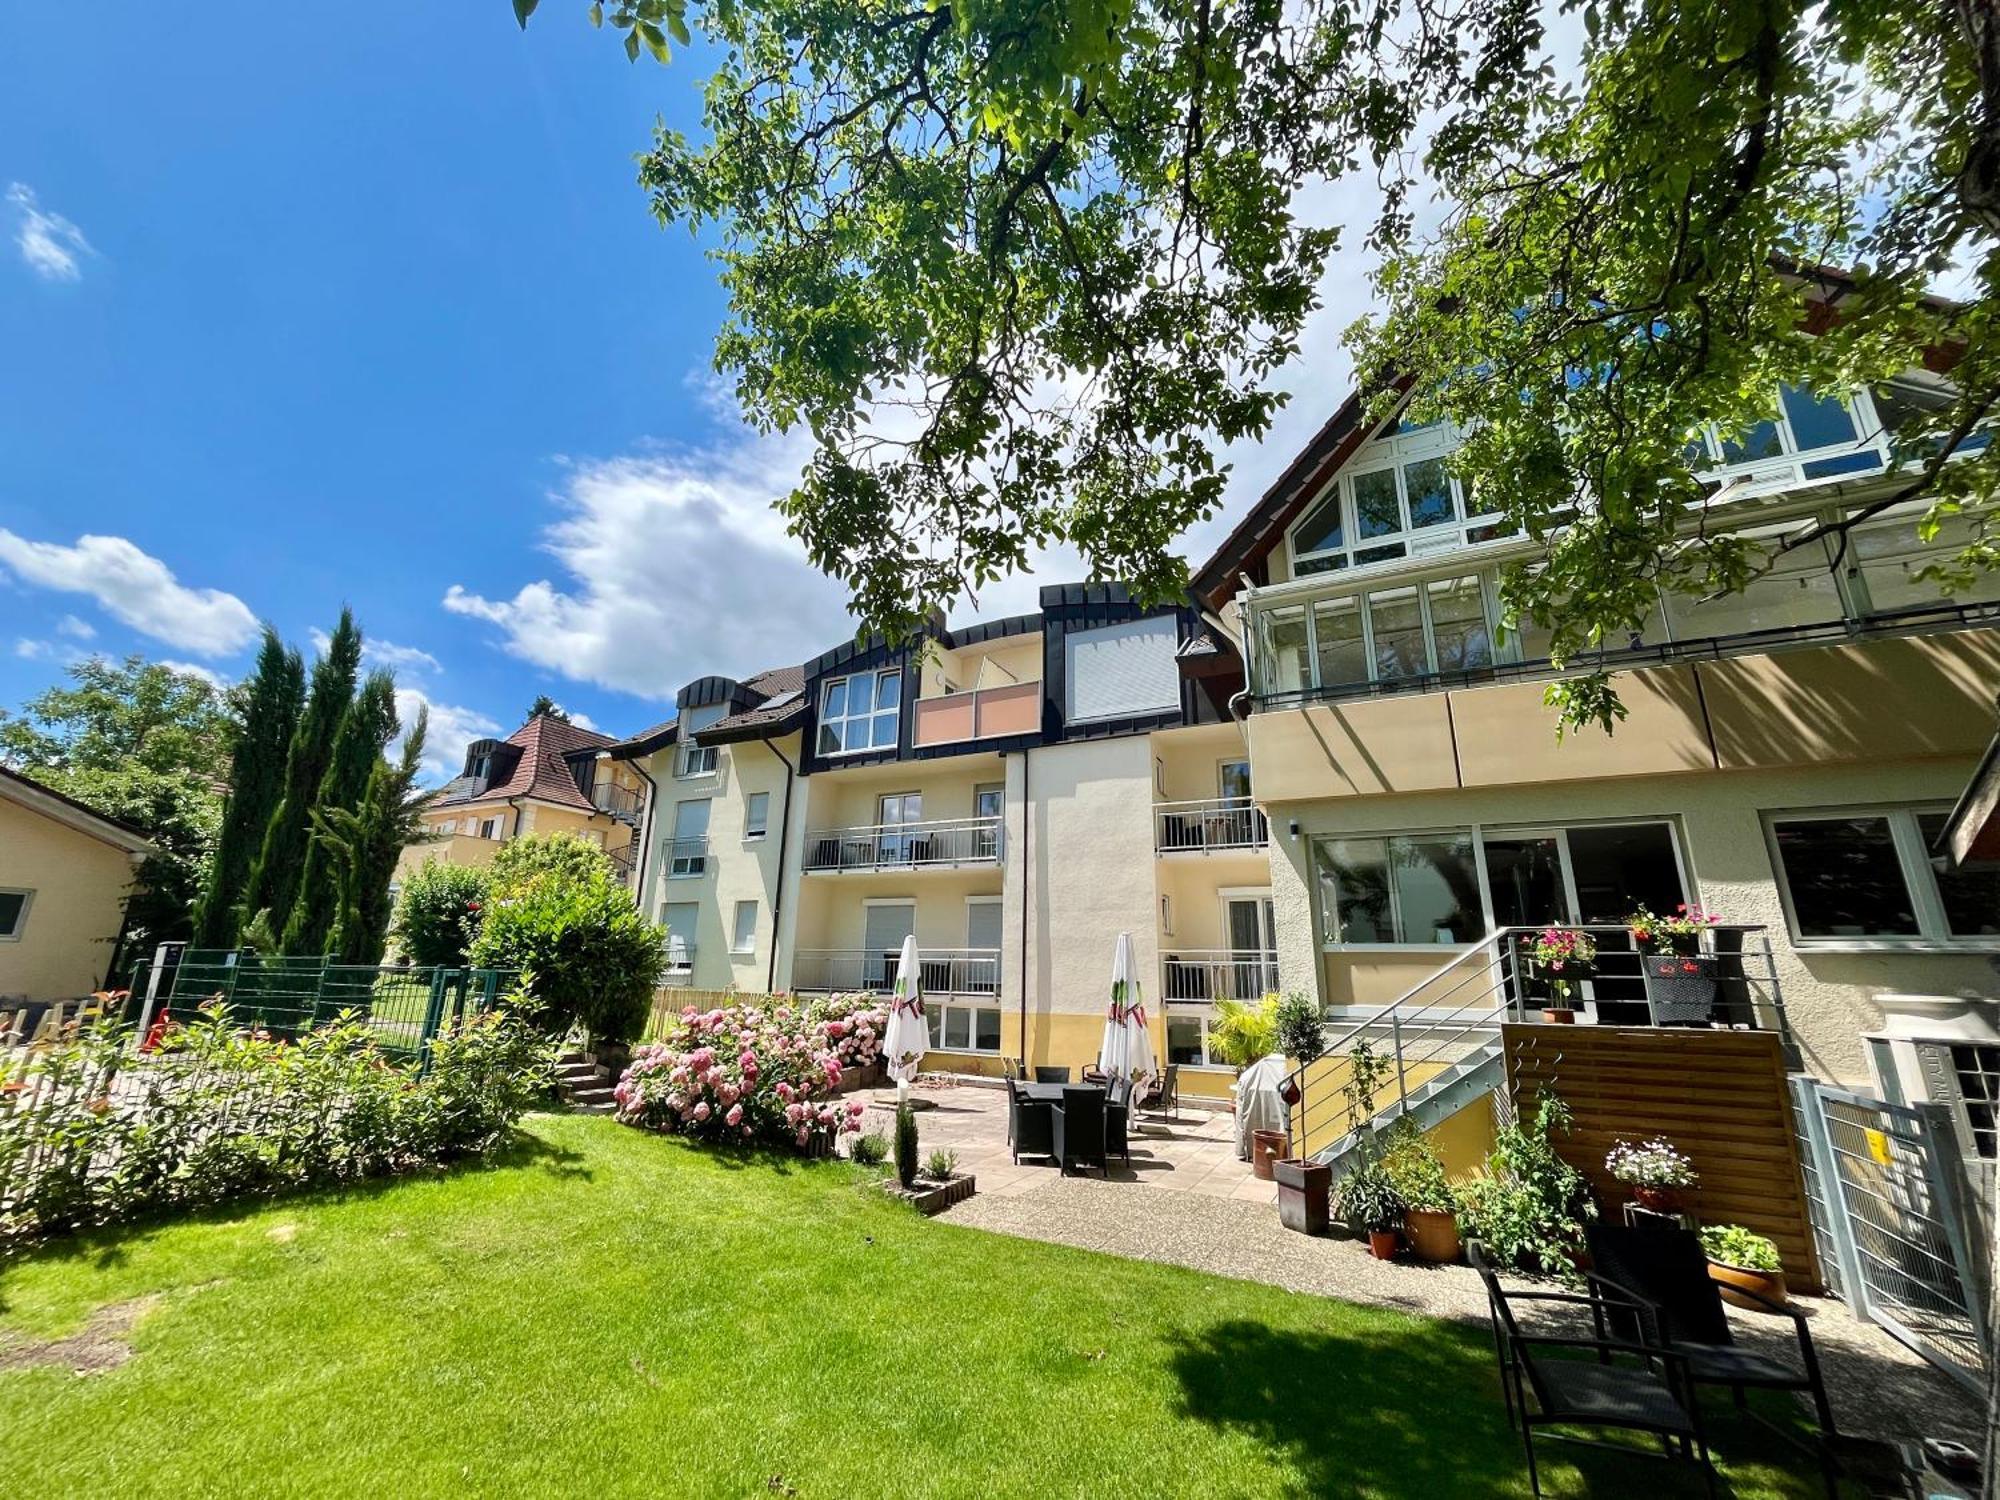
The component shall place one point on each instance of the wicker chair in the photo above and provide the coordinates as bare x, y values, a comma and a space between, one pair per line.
1644, 1393
1655, 1282
1165, 1095
1051, 1075
1079, 1133
1118, 1120
1030, 1125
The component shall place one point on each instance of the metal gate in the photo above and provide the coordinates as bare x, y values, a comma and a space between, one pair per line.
1892, 1225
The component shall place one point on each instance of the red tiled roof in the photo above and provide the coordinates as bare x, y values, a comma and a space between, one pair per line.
541, 772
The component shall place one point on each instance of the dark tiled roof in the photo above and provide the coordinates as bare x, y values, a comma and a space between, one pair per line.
541, 771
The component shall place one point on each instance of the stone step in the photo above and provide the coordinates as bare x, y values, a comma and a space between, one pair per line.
594, 1109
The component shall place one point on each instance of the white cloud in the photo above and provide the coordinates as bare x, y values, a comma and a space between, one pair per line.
381, 653
136, 588
51, 245
450, 730
207, 674
581, 720
29, 650
81, 630
675, 567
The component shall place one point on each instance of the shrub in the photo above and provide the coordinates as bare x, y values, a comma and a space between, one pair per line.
570, 857
906, 1143
747, 1073
940, 1165
585, 952
1733, 1245
1368, 1198
93, 1132
1530, 1208
1301, 1029
1415, 1170
870, 1150
1240, 1034
438, 914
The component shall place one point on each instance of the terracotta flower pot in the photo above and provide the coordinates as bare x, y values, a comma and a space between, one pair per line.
1382, 1243
1661, 1200
1764, 1283
1433, 1236
1559, 1015
1266, 1146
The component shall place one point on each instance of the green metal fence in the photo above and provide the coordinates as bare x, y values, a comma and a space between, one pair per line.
404, 1004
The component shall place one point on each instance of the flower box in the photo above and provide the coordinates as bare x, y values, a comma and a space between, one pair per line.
1679, 987
929, 1196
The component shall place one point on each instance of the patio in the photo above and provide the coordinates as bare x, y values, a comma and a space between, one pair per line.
1194, 1153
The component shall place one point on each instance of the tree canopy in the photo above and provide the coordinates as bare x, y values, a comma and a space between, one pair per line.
1023, 269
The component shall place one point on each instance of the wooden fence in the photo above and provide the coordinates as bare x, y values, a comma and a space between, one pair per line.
1720, 1096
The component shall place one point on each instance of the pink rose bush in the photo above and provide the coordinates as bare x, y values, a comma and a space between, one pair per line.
766, 1072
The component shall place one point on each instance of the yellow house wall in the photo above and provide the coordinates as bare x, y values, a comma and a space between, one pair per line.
1188, 761
1014, 658
79, 884
850, 798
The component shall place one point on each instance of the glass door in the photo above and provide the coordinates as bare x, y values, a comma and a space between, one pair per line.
895, 812
1527, 872
1248, 921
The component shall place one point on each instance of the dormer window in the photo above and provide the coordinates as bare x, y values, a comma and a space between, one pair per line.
1396, 500
861, 712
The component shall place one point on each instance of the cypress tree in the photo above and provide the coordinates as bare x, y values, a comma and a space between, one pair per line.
271, 704
366, 843
274, 877
367, 726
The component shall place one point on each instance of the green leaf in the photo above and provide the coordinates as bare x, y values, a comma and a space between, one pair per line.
677, 24
596, 12
655, 39
632, 46
524, 9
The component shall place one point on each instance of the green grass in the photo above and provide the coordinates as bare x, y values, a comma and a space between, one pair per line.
611, 1313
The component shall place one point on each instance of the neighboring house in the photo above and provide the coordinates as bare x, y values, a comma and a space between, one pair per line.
1013, 793
547, 776
64, 875
1790, 757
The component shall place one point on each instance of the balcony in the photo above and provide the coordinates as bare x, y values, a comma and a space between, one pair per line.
946, 844
687, 858
622, 802
963, 972
986, 713
1205, 975
624, 860
1209, 826
680, 962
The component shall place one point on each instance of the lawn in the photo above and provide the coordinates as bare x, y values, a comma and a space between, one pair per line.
612, 1313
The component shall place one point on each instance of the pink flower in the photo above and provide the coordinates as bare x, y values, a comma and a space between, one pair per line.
735, 1115
784, 1090
701, 1110
794, 1113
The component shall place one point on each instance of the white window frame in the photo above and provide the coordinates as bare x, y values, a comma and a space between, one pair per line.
1392, 450
822, 718
1933, 933
753, 832
945, 1010
27, 895
1363, 591
489, 828
692, 761
738, 944
1204, 1016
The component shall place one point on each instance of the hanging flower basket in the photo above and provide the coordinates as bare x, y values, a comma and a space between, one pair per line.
1680, 988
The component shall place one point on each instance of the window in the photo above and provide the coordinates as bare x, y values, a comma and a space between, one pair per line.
1234, 779
756, 815
743, 931
1802, 424
490, 829
1890, 557
1799, 589
698, 760
679, 918
1387, 635
1866, 875
1124, 670
861, 712
14, 914
1166, 916
1392, 503
1187, 1038
687, 855
963, 1028
1978, 1070
1901, 404
1403, 888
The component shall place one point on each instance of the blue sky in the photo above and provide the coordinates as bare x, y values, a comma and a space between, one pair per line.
303, 307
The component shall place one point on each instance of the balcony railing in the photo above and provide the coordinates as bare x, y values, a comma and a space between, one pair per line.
899, 846
680, 962
982, 714
1205, 826
942, 971
622, 802
1196, 975
687, 857
624, 860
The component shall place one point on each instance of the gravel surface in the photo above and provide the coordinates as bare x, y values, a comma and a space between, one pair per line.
1878, 1388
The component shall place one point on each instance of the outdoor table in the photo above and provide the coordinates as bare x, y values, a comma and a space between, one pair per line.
1050, 1093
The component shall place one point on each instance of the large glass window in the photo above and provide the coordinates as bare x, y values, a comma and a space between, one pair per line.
1459, 630
1403, 888
1867, 874
1798, 590
1397, 621
1386, 635
1342, 648
1282, 644
1388, 506
860, 712
13, 913
1890, 559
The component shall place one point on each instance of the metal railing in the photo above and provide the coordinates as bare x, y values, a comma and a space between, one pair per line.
687, 857
680, 961
941, 971
1375, 1068
622, 802
624, 860
894, 846
1208, 824
1209, 974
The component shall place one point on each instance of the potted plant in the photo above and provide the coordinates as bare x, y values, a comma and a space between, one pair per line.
1678, 934
1430, 1206
1304, 1192
1680, 978
1739, 1258
1370, 1203
1656, 1171
1240, 1034
1565, 958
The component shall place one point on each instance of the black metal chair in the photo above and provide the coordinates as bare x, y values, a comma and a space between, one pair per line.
1079, 1129
1645, 1394
1051, 1075
1166, 1093
1118, 1120
1656, 1282
1030, 1125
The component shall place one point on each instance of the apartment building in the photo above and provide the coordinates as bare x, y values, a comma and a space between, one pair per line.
547, 776
1013, 793
1789, 760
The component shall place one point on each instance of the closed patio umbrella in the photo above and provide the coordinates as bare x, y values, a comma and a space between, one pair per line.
908, 1036
1127, 1050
